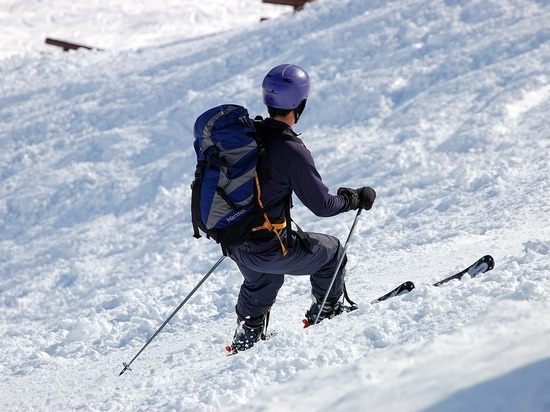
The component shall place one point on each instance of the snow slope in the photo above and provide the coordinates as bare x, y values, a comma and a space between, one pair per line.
441, 106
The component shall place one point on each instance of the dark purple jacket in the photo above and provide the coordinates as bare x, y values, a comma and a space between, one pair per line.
287, 166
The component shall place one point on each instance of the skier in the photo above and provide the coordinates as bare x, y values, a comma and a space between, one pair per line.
287, 167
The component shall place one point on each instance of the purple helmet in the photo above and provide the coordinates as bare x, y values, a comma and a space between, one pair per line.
285, 87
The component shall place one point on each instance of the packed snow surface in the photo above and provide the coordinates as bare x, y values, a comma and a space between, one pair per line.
442, 106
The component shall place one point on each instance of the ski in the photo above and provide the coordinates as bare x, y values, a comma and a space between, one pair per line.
405, 287
485, 264
482, 265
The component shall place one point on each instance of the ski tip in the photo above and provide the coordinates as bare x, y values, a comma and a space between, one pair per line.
306, 323
488, 259
403, 288
408, 286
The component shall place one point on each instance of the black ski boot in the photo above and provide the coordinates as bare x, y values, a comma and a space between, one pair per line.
332, 307
249, 331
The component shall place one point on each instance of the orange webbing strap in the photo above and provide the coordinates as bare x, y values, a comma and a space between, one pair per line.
272, 227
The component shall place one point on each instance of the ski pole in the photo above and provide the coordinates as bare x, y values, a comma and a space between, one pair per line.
339, 264
127, 365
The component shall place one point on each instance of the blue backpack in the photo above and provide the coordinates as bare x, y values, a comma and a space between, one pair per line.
225, 201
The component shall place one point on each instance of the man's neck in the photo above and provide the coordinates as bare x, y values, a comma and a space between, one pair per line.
289, 119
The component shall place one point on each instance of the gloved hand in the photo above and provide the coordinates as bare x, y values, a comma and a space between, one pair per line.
359, 198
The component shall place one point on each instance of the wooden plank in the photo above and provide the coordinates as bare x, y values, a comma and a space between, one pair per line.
297, 4
67, 45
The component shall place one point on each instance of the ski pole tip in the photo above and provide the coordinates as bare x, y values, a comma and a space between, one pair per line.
126, 368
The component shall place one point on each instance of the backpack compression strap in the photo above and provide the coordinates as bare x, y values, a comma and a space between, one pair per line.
195, 199
267, 225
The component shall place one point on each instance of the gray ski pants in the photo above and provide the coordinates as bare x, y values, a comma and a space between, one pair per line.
263, 267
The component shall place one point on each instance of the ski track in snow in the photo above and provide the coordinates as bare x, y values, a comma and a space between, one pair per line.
441, 106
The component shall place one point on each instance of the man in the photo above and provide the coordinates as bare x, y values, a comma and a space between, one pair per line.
285, 167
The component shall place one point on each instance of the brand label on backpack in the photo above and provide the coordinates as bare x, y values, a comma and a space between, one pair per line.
236, 215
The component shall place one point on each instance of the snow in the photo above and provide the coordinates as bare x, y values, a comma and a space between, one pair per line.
441, 106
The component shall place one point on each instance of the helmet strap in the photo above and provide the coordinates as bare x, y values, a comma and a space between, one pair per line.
298, 111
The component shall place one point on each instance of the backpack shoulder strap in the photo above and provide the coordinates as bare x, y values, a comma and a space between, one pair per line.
291, 135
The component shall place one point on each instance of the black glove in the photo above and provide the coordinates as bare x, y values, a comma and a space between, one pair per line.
359, 198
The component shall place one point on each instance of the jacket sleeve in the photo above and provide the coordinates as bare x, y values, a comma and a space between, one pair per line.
307, 184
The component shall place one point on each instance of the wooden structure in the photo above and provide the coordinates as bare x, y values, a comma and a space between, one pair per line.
297, 4
67, 46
